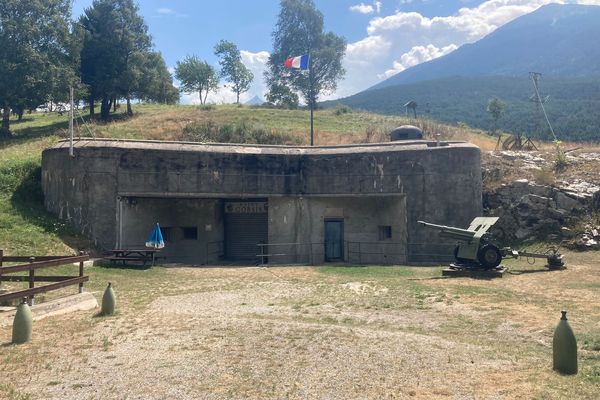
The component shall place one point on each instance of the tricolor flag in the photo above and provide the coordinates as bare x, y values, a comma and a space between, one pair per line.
300, 62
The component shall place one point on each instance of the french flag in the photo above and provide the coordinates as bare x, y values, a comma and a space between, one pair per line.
300, 62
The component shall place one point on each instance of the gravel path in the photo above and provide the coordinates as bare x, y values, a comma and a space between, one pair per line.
280, 334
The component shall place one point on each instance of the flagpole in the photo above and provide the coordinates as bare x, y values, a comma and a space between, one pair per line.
310, 101
312, 133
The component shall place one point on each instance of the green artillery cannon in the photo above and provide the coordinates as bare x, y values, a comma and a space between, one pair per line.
476, 250
474, 246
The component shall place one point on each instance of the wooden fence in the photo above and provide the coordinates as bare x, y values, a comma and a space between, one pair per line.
36, 263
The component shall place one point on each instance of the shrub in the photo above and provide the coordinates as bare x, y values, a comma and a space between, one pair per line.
544, 176
17, 174
560, 160
242, 132
341, 109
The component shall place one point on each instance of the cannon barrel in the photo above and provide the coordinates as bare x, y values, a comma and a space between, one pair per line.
450, 231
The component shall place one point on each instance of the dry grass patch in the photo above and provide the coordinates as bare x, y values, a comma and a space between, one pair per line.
327, 332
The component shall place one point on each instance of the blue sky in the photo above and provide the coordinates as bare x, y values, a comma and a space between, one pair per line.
384, 37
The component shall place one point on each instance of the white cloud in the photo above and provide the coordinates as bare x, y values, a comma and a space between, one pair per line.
167, 11
362, 8
367, 50
164, 11
377, 5
418, 55
257, 63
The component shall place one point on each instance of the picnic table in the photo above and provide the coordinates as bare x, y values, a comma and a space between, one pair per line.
133, 255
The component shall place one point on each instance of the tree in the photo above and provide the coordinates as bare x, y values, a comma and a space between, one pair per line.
496, 108
281, 96
148, 79
115, 38
34, 36
196, 75
299, 31
232, 68
155, 83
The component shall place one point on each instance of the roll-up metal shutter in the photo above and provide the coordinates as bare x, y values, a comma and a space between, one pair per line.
246, 225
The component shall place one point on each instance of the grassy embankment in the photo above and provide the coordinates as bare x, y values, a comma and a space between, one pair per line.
25, 228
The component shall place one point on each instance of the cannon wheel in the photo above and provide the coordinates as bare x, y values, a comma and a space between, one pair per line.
489, 256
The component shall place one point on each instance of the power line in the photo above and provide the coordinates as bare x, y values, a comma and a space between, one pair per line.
535, 76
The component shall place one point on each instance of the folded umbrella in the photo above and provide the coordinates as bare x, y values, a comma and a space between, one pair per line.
155, 240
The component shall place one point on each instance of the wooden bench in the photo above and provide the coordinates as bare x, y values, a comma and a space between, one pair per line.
124, 255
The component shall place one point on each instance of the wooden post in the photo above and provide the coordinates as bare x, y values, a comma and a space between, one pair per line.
31, 280
81, 273
1, 255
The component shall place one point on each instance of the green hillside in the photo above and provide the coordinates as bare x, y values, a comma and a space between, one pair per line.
572, 106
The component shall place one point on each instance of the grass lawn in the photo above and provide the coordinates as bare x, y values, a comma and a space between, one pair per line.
315, 332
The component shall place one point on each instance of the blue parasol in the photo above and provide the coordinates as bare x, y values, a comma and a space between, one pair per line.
155, 239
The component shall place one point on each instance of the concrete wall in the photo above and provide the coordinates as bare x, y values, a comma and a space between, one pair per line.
302, 220
441, 183
138, 216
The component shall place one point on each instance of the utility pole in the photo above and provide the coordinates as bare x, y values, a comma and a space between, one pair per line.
310, 100
71, 113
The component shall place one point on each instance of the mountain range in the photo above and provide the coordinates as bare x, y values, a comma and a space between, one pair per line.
559, 41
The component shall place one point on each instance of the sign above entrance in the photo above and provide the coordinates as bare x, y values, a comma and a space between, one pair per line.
256, 207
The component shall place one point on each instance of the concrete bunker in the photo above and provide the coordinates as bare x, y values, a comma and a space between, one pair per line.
223, 203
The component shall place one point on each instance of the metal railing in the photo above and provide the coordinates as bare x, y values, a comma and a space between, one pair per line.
290, 253
31, 278
375, 252
355, 252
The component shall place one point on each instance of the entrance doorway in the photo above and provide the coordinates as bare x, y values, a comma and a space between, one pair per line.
334, 240
246, 225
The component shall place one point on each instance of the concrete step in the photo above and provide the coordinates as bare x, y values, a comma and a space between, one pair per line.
79, 302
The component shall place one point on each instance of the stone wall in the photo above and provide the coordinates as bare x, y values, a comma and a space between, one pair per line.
530, 211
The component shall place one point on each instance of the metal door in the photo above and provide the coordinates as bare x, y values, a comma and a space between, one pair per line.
246, 225
334, 240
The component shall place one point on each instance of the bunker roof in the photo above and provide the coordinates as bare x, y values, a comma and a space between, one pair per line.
234, 148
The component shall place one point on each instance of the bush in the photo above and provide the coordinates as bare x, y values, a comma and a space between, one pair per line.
378, 133
341, 109
560, 160
17, 174
544, 176
207, 107
242, 132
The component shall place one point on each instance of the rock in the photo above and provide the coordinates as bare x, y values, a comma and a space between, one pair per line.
540, 190
538, 203
520, 183
566, 232
523, 233
595, 203
530, 211
556, 213
566, 202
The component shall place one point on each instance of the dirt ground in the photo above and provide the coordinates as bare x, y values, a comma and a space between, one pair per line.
323, 332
